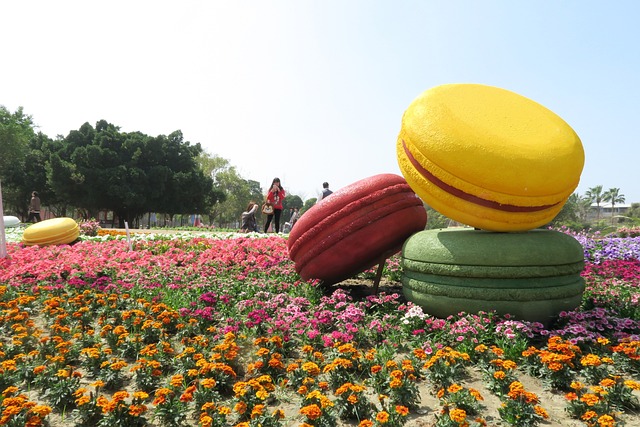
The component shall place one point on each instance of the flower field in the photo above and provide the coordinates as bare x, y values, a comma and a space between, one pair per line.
219, 330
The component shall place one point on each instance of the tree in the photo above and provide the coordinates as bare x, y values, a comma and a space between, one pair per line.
634, 211
234, 192
613, 195
573, 213
16, 131
308, 204
595, 195
128, 173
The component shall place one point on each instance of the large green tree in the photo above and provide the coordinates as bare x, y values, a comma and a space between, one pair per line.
128, 173
16, 132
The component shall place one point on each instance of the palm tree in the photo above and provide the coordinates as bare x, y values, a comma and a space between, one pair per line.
613, 195
595, 195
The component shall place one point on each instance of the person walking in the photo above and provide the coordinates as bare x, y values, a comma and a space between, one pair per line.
34, 208
275, 197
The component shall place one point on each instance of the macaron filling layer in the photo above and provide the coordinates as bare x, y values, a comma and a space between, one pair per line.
466, 196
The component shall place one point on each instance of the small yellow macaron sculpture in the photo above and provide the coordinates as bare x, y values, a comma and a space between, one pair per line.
55, 231
488, 157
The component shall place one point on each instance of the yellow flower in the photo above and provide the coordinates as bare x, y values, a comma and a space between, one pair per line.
458, 415
606, 421
590, 360
499, 375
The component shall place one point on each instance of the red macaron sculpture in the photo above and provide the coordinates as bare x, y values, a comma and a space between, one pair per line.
355, 228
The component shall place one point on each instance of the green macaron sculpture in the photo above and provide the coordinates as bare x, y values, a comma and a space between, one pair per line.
532, 275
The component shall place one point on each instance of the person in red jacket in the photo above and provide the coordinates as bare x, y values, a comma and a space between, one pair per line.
275, 197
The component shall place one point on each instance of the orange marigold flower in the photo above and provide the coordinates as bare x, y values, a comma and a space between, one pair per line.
420, 353
83, 400
541, 411
121, 395
402, 410
454, 388
606, 421
509, 364
589, 415
499, 375
633, 385
576, 385
516, 386
607, 382
480, 348
137, 410
590, 399
257, 411
395, 383
590, 360
458, 415
366, 423
240, 407
312, 412
10, 391
382, 417
476, 394
571, 396
176, 380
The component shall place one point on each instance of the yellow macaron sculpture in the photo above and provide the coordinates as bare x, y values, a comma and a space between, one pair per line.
488, 157
55, 231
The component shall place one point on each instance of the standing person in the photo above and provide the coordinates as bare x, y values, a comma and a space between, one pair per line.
249, 218
275, 197
34, 208
325, 190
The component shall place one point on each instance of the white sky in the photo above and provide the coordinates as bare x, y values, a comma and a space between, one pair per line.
313, 91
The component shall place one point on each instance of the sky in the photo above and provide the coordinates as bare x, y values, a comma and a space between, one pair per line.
314, 91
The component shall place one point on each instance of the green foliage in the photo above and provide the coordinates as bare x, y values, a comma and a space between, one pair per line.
308, 204
128, 173
435, 219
